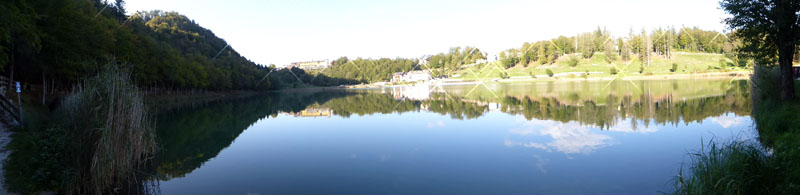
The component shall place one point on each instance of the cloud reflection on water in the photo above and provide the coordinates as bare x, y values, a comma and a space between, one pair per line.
568, 138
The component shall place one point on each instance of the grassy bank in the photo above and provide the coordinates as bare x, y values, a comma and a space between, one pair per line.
597, 67
94, 142
769, 167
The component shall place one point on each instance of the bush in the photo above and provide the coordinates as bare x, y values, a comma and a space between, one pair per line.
674, 67
613, 71
573, 61
648, 74
549, 72
504, 75
585, 76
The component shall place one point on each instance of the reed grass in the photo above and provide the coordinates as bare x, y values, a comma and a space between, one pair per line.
110, 133
738, 167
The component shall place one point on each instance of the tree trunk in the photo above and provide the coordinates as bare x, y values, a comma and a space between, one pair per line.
786, 22
44, 88
785, 54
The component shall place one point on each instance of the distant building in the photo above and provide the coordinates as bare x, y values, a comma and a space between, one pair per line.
311, 65
313, 112
413, 76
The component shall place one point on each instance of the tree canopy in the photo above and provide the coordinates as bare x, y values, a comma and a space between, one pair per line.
768, 28
65, 41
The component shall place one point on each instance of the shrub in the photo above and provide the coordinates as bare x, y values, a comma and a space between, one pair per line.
549, 72
648, 73
613, 71
674, 67
573, 61
504, 75
585, 76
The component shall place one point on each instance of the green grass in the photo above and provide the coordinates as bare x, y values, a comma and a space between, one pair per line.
687, 63
748, 168
729, 168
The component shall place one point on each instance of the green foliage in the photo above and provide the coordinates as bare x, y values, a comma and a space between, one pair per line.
447, 63
99, 138
747, 167
65, 40
674, 67
549, 72
366, 70
729, 168
612, 71
573, 61
503, 75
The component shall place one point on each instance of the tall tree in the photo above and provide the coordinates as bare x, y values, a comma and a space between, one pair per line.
767, 26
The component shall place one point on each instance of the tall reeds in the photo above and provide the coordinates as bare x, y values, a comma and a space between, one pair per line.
736, 167
109, 134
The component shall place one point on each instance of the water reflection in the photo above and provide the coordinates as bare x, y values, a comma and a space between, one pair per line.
567, 138
567, 118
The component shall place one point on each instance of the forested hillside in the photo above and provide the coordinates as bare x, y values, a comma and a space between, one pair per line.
661, 41
64, 41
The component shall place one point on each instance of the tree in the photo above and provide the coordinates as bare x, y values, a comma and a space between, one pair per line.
767, 26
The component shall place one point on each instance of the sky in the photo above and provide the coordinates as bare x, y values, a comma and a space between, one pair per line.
284, 31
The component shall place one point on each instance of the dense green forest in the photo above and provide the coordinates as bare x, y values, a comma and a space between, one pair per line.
63, 41
367, 70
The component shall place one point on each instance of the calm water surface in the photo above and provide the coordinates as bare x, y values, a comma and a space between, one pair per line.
623, 137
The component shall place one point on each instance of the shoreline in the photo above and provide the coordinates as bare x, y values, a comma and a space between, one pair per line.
712, 75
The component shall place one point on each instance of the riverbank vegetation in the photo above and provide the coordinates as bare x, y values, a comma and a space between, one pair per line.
769, 34
769, 166
95, 142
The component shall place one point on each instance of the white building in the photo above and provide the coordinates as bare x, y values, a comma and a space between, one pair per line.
311, 65
413, 76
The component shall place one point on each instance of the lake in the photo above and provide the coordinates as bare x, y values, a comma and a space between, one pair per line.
582, 137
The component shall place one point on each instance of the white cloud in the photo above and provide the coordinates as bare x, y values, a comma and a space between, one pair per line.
728, 121
435, 124
540, 163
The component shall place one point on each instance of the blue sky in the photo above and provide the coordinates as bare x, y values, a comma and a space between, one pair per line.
283, 31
